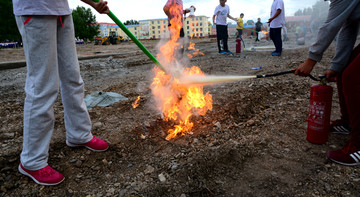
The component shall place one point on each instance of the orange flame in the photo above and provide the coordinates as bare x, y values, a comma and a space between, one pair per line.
264, 32
177, 103
196, 53
136, 103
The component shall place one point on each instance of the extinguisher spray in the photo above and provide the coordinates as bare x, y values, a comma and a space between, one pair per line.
319, 113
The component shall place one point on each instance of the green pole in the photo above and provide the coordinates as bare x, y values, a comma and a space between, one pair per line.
134, 39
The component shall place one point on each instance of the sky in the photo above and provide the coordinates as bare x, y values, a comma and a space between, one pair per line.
153, 9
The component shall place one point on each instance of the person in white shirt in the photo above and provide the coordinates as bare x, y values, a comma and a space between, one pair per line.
277, 21
221, 13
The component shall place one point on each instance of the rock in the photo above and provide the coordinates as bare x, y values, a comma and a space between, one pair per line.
300, 41
25, 192
149, 170
9, 135
97, 124
174, 166
162, 177
110, 192
122, 192
218, 125
327, 187
78, 163
105, 162
250, 122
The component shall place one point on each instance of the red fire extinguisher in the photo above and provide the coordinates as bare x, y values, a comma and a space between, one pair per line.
238, 46
319, 113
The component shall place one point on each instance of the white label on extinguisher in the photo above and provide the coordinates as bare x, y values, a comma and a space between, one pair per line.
317, 113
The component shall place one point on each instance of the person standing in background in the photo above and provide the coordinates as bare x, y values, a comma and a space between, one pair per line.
277, 21
221, 13
258, 26
240, 26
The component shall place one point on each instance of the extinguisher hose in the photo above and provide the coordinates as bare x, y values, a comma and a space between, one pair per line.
288, 72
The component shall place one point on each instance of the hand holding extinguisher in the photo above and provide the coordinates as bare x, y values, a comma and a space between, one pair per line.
305, 69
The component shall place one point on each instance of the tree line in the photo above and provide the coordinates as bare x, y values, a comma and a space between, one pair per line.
84, 23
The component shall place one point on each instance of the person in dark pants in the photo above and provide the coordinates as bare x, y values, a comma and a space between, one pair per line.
221, 13
277, 21
258, 26
343, 20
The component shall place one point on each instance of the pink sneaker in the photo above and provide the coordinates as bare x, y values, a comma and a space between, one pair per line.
96, 144
44, 176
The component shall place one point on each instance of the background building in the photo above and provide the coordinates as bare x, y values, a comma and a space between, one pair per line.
198, 27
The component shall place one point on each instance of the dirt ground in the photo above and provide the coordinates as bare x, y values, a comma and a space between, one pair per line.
252, 143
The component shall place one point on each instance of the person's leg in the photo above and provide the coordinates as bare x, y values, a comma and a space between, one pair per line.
343, 125
350, 154
238, 33
343, 110
76, 116
218, 36
41, 88
226, 36
351, 90
278, 40
272, 35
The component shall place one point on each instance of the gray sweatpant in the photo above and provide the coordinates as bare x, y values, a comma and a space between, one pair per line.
49, 45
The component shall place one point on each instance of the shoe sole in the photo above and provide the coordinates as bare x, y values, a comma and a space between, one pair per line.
345, 164
36, 181
76, 145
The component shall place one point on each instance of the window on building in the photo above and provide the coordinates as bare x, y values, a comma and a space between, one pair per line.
153, 27
188, 32
200, 24
152, 22
187, 27
201, 29
158, 27
187, 22
201, 34
197, 29
158, 22
135, 33
153, 32
135, 28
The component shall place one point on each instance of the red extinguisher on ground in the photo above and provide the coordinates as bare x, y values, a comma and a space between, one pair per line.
319, 113
238, 46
